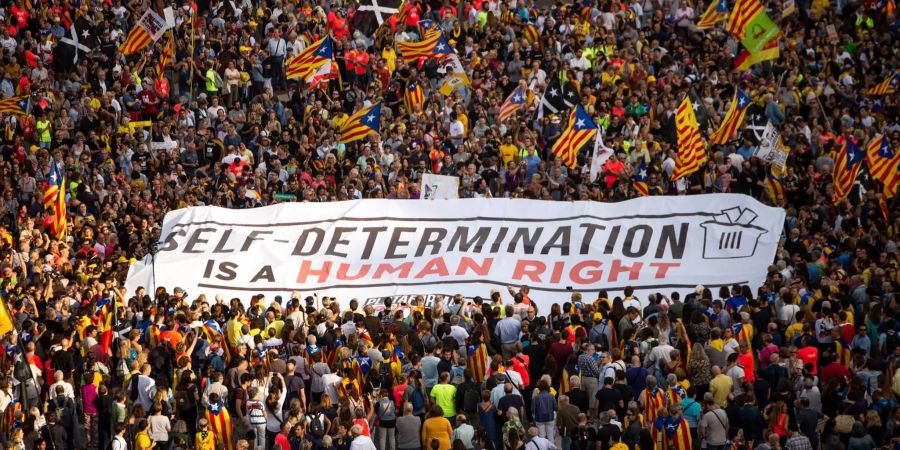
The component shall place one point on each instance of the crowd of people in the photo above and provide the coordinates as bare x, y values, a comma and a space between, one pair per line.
806, 361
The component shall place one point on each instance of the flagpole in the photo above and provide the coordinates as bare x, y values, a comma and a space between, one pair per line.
193, 67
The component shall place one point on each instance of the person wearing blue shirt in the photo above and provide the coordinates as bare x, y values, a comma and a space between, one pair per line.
533, 161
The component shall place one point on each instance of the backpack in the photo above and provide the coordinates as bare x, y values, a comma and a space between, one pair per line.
471, 397
891, 341
385, 375
315, 426
417, 399
256, 412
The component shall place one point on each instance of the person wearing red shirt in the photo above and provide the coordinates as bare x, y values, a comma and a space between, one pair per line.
361, 64
413, 15
613, 170
281, 439
809, 355
833, 369
745, 359
21, 15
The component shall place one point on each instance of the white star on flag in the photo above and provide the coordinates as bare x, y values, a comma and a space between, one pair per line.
517, 98
643, 173
439, 47
579, 123
370, 118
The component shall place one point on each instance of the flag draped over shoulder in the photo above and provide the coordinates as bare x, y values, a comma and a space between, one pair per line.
307, 63
716, 12
846, 168
884, 164
478, 359
580, 129
671, 433
653, 402
733, 118
362, 123
148, 29
691, 149
220, 425
775, 186
414, 98
842, 351
55, 199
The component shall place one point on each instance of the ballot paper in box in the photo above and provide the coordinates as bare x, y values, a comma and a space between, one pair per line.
731, 234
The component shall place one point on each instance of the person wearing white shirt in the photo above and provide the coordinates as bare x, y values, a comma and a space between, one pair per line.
536, 442
360, 441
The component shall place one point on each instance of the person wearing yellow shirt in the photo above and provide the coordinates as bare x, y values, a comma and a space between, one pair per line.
389, 55
43, 129
142, 440
720, 387
508, 150
204, 440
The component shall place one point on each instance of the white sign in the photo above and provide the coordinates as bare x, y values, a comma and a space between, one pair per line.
369, 249
439, 187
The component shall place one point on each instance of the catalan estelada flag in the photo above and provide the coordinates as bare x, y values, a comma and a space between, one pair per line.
775, 187
167, 56
846, 168
733, 118
716, 12
532, 34
307, 63
478, 359
565, 384
362, 123
580, 129
14, 105
886, 87
653, 401
414, 98
671, 433
513, 103
691, 149
220, 425
215, 334
639, 180
434, 45
148, 29
884, 164
55, 199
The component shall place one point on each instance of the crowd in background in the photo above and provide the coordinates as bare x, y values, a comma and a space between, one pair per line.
806, 361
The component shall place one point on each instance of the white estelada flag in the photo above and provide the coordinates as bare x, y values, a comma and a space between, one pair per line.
600, 155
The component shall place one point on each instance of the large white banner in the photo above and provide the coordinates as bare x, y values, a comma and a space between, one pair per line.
370, 249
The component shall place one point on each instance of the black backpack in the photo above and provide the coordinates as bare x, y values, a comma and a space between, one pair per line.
470, 396
315, 426
385, 376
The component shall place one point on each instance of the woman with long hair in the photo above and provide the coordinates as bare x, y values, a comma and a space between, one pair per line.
699, 370
777, 417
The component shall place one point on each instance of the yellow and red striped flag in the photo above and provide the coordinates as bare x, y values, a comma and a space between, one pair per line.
220, 425
434, 45
671, 433
653, 401
513, 103
580, 129
361, 124
414, 98
888, 86
842, 351
167, 56
639, 182
846, 168
775, 187
148, 29
55, 199
743, 13
716, 12
733, 118
478, 362
884, 164
307, 63
746, 60
14, 105
691, 149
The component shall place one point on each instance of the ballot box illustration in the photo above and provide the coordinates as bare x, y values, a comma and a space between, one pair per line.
731, 234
